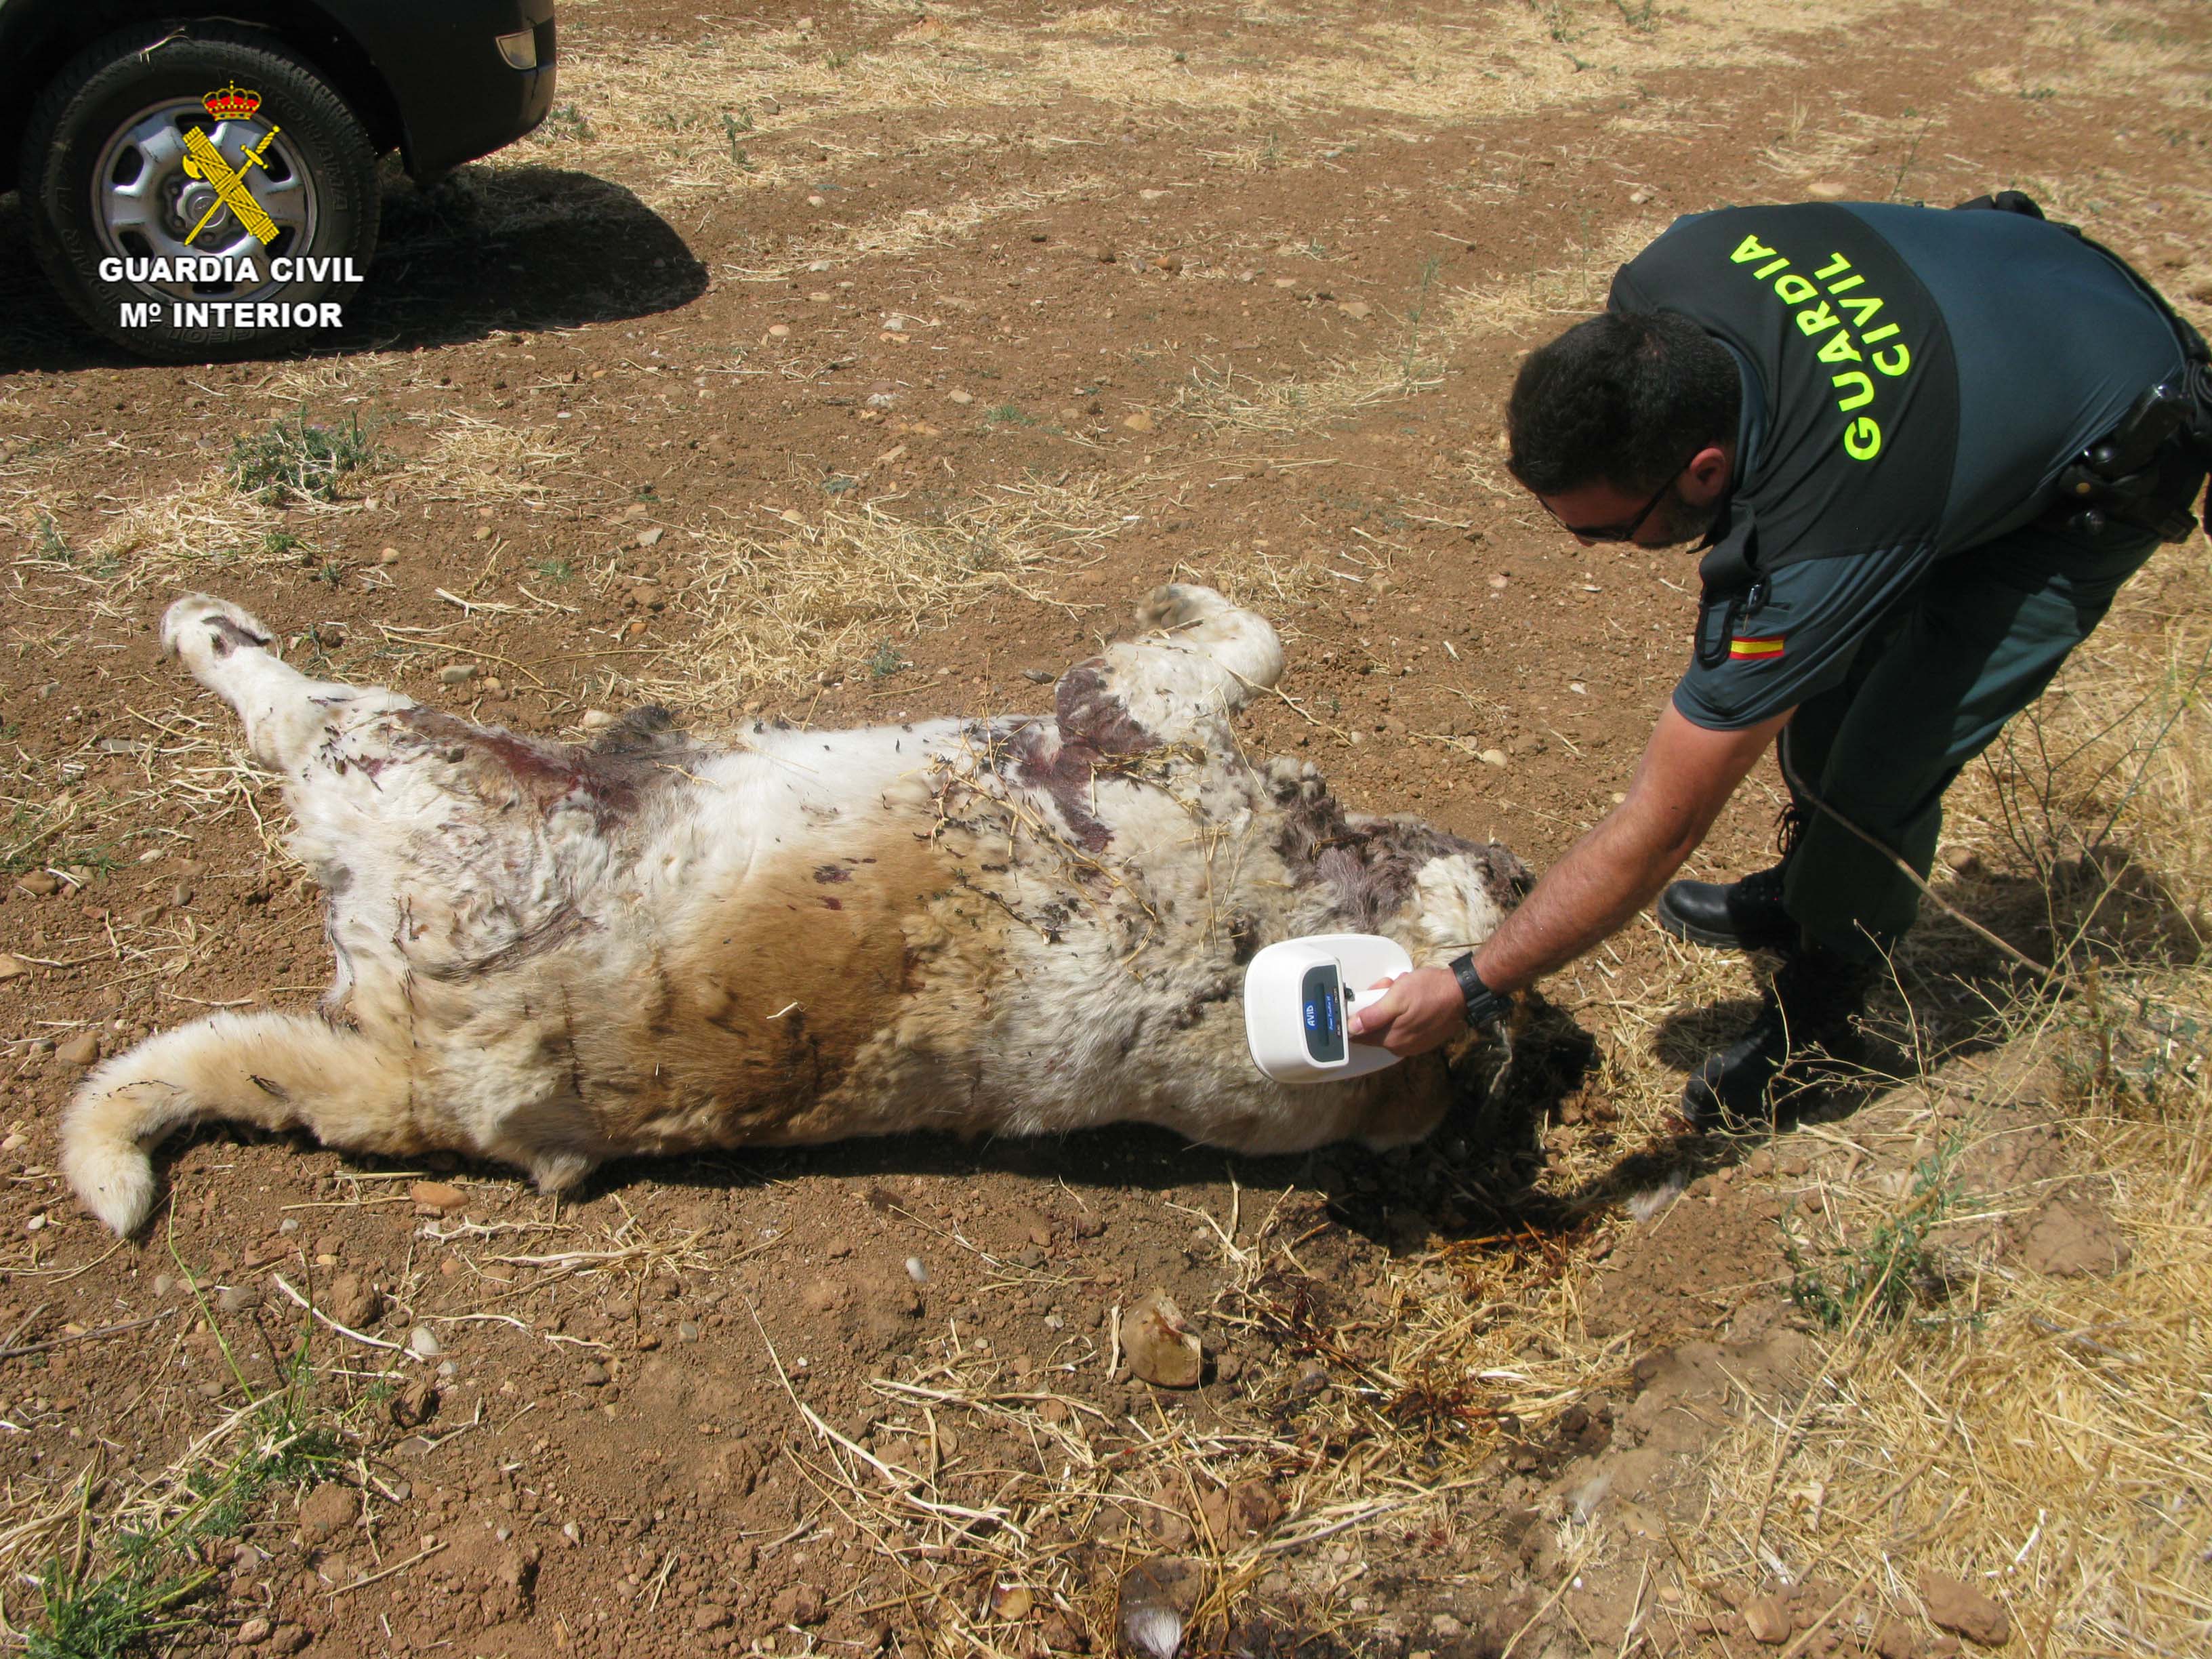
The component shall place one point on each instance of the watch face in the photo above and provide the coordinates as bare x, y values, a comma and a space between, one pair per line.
1321, 998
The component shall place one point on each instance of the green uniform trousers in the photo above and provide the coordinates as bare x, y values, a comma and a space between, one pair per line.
1929, 689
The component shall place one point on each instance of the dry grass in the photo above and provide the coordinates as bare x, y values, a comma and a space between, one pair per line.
798, 599
1424, 331
731, 112
2045, 1439
917, 230
2147, 49
484, 463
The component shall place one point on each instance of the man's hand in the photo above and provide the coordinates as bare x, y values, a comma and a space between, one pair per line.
1423, 1011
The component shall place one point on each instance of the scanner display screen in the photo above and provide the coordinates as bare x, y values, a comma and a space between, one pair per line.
1321, 995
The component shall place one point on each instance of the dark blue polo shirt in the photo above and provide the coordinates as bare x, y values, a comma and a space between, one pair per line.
1915, 379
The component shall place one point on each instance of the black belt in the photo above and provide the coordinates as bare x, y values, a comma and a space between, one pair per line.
2145, 473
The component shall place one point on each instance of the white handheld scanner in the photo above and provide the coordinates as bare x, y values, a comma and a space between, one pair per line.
1299, 997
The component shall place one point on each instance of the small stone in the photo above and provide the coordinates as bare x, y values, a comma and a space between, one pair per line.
416, 1404
180, 895
915, 1271
1101, 253
1828, 189
1638, 197
236, 1298
573, 1533
82, 1049
799, 1604
12, 968
779, 331
709, 1616
388, 556
353, 1302
650, 537
1139, 422
422, 1342
1011, 1601
1767, 1619
1960, 1607
593, 1375
328, 1511
687, 1331
1491, 758
1356, 309
287, 1639
964, 398
456, 674
41, 884
597, 719
438, 1198
2070, 1235
1160, 1345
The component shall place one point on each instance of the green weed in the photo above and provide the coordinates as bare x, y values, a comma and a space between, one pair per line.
103, 1600
298, 457
1895, 1272
565, 121
49, 541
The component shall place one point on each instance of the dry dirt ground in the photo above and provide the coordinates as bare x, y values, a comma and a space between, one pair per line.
844, 363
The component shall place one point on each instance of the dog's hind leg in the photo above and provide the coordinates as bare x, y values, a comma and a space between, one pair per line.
278, 1071
1201, 661
1185, 616
285, 712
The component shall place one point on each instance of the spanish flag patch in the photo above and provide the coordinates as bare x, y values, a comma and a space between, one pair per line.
1747, 650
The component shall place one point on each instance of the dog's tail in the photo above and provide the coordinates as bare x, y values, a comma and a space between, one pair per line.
277, 1071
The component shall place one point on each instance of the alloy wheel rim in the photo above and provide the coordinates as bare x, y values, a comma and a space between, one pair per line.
145, 205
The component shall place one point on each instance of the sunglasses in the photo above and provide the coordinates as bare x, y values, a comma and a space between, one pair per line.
1624, 531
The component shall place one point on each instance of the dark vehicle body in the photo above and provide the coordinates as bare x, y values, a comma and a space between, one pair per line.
440, 82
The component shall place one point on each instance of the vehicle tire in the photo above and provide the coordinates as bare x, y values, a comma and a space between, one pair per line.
104, 177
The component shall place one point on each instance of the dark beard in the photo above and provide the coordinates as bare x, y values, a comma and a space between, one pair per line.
1680, 523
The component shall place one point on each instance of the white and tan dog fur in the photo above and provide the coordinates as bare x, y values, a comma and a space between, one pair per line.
552, 955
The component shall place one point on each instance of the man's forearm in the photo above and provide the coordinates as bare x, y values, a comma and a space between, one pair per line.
1605, 879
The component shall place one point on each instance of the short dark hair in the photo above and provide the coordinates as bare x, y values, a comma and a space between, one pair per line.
1622, 399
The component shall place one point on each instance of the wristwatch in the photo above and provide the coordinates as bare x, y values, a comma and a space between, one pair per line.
1485, 1009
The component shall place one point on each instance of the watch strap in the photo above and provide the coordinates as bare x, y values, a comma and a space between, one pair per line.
1485, 1007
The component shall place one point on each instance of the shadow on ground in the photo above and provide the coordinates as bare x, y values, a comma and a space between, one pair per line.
1952, 995
486, 249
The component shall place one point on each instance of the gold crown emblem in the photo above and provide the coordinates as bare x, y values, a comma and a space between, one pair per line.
232, 103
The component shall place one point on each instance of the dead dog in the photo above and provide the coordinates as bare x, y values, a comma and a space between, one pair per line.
552, 955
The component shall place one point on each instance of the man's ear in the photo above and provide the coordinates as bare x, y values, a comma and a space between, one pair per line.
1707, 475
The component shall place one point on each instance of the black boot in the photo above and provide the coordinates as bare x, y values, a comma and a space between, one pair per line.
1804, 1033
1737, 916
